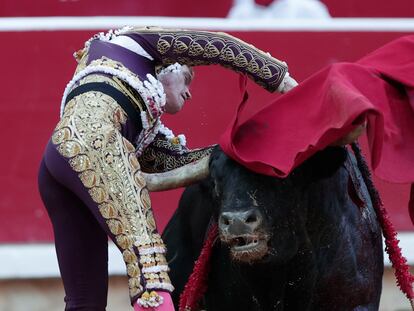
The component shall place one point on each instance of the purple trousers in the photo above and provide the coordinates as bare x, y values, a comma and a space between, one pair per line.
81, 235
92, 187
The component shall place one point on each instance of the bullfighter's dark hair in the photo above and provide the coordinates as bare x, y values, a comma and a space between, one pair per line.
398, 261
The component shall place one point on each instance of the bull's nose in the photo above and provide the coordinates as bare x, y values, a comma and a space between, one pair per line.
240, 222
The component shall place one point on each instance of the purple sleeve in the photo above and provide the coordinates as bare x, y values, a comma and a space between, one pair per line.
194, 48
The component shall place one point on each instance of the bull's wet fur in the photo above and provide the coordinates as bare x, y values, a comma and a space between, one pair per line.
323, 240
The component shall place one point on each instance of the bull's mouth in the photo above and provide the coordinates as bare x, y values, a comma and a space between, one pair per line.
247, 248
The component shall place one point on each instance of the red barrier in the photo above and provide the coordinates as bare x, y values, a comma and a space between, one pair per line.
188, 8
37, 65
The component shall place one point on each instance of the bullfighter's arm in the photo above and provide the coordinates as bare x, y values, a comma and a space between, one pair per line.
167, 46
168, 153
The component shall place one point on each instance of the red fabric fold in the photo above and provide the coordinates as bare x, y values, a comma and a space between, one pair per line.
378, 88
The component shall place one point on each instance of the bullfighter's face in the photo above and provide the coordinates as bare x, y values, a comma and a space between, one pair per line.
177, 88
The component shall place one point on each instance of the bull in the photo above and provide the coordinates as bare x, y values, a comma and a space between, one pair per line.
310, 241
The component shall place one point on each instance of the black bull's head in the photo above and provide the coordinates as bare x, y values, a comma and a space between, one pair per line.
260, 217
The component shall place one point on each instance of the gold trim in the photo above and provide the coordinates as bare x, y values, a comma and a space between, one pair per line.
88, 136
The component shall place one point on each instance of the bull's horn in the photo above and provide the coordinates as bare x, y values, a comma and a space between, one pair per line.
179, 177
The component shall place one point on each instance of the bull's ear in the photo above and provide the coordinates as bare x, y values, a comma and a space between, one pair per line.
217, 162
321, 165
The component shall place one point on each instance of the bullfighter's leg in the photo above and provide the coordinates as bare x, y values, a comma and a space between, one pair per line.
89, 154
81, 245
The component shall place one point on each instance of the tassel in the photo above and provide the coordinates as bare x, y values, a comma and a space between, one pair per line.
398, 261
196, 286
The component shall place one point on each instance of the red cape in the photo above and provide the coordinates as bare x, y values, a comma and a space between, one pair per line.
378, 88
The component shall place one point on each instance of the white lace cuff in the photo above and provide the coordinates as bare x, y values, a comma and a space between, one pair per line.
287, 84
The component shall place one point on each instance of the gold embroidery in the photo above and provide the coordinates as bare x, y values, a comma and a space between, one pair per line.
98, 194
89, 138
145, 198
163, 46
195, 49
265, 72
69, 148
125, 242
253, 66
61, 135
161, 261
180, 47
211, 51
129, 257
139, 180
227, 55
80, 163
134, 162
129, 147
135, 288
122, 86
88, 178
240, 61
162, 156
133, 270
108, 211
82, 59
151, 276
210, 47
115, 226
150, 220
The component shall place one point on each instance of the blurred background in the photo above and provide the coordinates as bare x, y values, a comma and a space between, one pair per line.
38, 39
